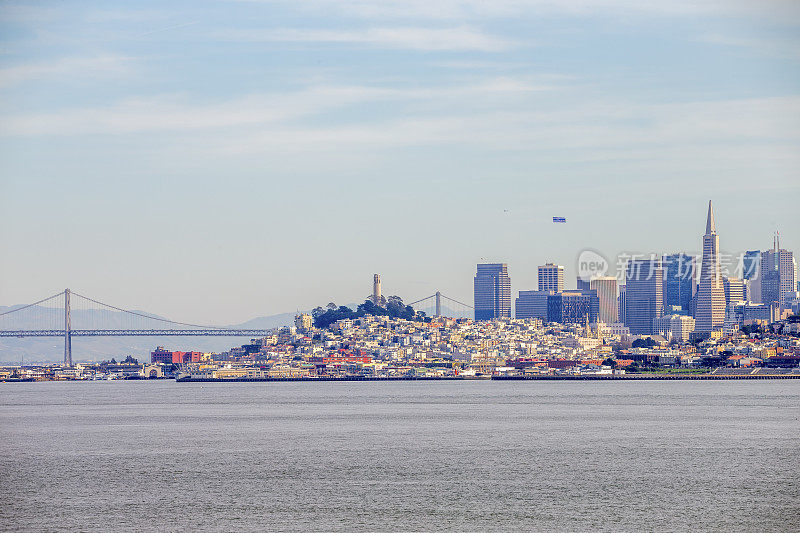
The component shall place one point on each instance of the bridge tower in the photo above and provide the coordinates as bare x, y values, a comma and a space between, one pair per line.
67, 331
438, 304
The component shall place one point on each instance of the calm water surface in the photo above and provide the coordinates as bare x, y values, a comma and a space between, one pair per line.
406, 456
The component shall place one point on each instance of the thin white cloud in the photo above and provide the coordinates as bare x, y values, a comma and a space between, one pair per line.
499, 116
409, 38
169, 28
171, 114
595, 131
771, 45
72, 67
787, 11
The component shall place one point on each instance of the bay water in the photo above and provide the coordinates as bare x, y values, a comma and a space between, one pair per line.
400, 456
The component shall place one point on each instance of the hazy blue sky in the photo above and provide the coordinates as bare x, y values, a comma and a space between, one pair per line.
214, 161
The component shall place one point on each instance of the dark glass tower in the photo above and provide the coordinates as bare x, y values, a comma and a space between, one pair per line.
678, 280
492, 288
644, 294
751, 264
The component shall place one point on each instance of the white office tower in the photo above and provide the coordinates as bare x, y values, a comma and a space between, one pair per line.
551, 277
710, 312
606, 288
674, 327
734, 291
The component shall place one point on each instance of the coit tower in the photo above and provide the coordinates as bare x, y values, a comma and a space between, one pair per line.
376, 289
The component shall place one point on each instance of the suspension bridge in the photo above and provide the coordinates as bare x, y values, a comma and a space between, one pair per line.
434, 304
69, 314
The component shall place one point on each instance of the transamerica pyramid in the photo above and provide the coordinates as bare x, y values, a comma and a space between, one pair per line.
710, 311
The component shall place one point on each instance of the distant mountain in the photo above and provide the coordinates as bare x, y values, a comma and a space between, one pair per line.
51, 349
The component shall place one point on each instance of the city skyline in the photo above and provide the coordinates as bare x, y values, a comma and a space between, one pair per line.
219, 161
399, 265
732, 268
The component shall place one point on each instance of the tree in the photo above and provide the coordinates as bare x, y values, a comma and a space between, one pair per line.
333, 314
394, 308
644, 343
712, 361
369, 308
610, 362
396, 300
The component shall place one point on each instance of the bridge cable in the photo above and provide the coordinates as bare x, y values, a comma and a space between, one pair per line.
422, 300
31, 305
147, 316
456, 301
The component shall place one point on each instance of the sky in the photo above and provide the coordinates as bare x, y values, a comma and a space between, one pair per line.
213, 161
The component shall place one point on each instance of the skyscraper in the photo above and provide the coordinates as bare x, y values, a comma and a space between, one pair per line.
678, 281
532, 304
551, 277
770, 286
778, 273
621, 304
644, 294
572, 307
751, 264
492, 291
751, 274
710, 312
734, 291
606, 288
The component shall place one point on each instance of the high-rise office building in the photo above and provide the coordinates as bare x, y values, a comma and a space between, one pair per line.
584, 284
734, 291
778, 273
606, 288
710, 307
644, 294
678, 281
621, 304
770, 286
492, 291
532, 304
677, 327
551, 277
751, 274
751, 264
573, 307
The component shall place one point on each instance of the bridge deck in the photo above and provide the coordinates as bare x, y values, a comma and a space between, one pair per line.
139, 333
